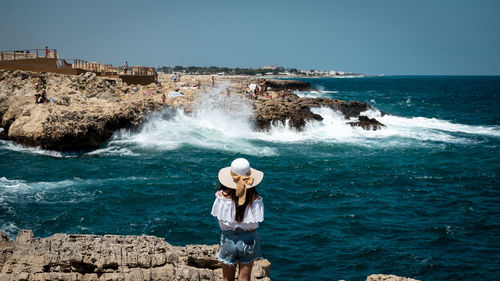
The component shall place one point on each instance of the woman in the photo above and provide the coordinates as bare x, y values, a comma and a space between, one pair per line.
239, 210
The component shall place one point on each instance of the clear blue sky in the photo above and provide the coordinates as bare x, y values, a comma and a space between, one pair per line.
377, 37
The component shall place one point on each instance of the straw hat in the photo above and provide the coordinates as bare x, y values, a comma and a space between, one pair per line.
240, 177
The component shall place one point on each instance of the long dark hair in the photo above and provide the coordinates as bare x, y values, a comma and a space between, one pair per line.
251, 196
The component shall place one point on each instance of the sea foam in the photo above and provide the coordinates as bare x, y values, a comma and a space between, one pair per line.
225, 124
12, 146
217, 122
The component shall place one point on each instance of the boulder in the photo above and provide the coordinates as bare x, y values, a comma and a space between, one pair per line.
367, 123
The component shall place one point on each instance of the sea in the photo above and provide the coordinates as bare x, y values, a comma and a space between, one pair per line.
418, 198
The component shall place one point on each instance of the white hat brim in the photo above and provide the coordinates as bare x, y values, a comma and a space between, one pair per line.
226, 179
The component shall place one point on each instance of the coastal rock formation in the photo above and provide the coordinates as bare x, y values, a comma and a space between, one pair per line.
278, 85
383, 277
367, 123
6, 248
110, 257
84, 111
297, 111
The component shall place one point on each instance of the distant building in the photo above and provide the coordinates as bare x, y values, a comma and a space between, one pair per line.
270, 67
335, 72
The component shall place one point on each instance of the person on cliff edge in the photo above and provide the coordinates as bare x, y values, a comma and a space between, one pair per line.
125, 67
239, 210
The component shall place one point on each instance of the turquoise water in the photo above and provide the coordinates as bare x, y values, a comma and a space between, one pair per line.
419, 198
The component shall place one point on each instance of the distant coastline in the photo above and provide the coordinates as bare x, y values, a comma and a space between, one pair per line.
266, 71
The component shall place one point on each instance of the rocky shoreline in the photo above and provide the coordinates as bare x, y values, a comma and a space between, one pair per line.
84, 111
117, 258
110, 257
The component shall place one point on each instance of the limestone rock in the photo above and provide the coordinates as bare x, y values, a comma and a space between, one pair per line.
6, 248
110, 257
82, 113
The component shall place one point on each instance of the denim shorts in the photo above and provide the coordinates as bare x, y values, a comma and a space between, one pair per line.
239, 246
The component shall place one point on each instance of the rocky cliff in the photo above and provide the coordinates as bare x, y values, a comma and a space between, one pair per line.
84, 111
110, 257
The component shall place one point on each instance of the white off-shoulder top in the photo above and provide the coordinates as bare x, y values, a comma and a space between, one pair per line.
225, 209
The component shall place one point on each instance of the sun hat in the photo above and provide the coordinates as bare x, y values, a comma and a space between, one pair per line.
240, 176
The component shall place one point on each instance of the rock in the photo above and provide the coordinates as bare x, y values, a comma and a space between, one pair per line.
4, 237
110, 257
86, 112
270, 111
88, 109
383, 277
297, 111
367, 123
24, 238
6, 248
278, 85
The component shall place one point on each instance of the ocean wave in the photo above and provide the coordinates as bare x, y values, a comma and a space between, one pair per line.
409, 125
349, 76
19, 185
112, 149
341, 76
13, 184
216, 123
334, 128
10, 228
12, 146
230, 129
70, 191
22, 185
315, 94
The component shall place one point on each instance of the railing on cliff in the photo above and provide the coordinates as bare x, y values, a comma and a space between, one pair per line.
106, 69
101, 69
28, 54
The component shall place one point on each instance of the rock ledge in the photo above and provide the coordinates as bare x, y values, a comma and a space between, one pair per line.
110, 257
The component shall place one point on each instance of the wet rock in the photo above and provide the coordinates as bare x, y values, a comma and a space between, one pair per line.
296, 111
278, 85
270, 111
367, 123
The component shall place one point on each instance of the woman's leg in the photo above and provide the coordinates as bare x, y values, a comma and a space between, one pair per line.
228, 272
245, 271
